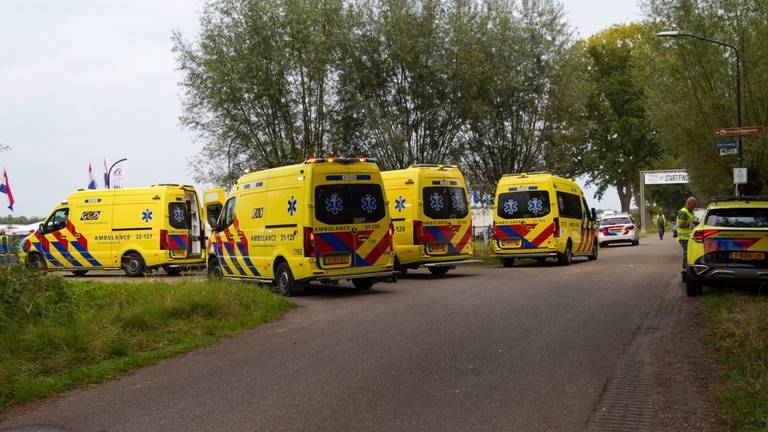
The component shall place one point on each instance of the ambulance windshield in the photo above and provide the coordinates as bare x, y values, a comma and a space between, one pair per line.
445, 202
349, 203
523, 205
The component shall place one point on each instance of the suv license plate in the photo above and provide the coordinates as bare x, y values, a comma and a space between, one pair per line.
748, 256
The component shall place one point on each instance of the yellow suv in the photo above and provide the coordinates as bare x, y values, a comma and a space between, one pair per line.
730, 244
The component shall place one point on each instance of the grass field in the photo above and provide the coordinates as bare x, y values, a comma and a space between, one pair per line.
56, 334
738, 333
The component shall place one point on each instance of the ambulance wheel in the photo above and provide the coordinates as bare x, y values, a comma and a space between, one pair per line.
79, 272
693, 288
214, 269
566, 258
438, 271
363, 283
508, 262
593, 255
36, 262
172, 271
133, 265
284, 281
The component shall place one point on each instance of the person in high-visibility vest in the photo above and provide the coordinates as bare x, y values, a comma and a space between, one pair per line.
684, 222
3, 247
661, 223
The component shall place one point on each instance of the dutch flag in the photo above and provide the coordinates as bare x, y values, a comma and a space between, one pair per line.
91, 179
5, 188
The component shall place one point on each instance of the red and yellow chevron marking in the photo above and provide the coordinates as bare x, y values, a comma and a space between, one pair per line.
366, 247
457, 236
533, 235
231, 247
58, 249
587, 239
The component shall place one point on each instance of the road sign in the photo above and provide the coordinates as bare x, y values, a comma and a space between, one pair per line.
728, 151
665, 177
727, 143
739, 176
747, 130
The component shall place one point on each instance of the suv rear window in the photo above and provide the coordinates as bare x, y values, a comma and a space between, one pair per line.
349, 203
445, 202
523, 205
616, 221
738, 217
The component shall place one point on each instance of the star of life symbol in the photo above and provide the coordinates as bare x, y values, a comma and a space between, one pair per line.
369, 203
146, 216
510, 206
436, 201
536, 206
334, 205
292, 205
178, 214
400, 203
457, 200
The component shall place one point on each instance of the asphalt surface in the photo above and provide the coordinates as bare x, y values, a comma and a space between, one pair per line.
485, 348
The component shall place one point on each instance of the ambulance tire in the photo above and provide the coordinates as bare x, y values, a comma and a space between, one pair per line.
214, 269
36, 262
693, 288
438, 271
593, 255
172, 271
566, 258
133, 265
363, 284
285, 283
508, 262
79, 272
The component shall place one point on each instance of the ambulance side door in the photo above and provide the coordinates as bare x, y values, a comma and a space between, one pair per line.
90, 231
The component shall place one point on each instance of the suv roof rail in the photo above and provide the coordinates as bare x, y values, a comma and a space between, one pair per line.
745, 198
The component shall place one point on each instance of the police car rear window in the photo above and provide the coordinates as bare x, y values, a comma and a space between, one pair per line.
738, 217
616, 221
347, 203
445, 202
523, 205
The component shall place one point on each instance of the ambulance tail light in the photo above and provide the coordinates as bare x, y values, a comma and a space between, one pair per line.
391, 237
556, 222
418, 235
163, 239
700, 235
309, 242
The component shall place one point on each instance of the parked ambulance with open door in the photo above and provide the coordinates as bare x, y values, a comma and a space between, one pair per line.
429, 205
134, 229
322, 220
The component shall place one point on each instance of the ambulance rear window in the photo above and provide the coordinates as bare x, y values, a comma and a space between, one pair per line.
738, 217
348, 203
523, 204
178, 215
445, 202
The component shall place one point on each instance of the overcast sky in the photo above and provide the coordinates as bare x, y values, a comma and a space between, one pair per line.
81, 81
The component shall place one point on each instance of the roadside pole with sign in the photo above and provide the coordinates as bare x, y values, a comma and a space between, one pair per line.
728, 143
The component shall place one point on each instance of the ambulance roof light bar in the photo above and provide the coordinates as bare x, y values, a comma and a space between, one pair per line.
440, 166
343, 160
525, 174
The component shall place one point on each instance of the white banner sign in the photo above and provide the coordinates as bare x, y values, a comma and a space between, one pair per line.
666, 177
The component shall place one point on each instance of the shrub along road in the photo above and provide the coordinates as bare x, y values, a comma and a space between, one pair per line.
485, 348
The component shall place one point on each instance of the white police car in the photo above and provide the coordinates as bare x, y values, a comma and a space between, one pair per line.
618, 228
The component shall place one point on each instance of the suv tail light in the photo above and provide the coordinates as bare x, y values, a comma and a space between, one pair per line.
163, 239
309, 242
700, 235
556, 221
418, 235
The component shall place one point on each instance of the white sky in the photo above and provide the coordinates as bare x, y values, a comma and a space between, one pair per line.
82, 80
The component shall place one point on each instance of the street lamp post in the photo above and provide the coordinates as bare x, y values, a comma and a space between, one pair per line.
676, 33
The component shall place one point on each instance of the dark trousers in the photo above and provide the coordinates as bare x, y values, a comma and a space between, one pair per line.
661, 232
684, 245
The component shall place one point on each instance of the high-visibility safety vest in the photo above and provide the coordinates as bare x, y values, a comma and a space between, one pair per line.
684, 215
3, 244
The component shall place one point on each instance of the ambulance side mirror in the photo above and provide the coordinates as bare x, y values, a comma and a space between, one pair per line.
594, 214
40, 228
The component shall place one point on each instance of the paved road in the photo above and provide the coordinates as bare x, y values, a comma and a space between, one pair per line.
483, 349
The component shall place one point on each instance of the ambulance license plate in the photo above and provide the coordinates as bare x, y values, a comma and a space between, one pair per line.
748, 256
178, 253
334, 260
511, 243
437, 249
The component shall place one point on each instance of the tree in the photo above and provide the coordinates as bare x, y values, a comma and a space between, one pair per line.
620, 141
694, 92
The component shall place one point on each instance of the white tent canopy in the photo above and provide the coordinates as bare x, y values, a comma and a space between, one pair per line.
19, 229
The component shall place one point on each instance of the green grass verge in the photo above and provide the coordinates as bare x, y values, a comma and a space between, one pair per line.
57, 334
738, 333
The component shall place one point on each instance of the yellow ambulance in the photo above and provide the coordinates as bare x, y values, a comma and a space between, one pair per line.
430, 212
325, 219
539, 215
134, 229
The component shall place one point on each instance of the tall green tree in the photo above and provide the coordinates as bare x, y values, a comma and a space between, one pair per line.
620, 141
695, 93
